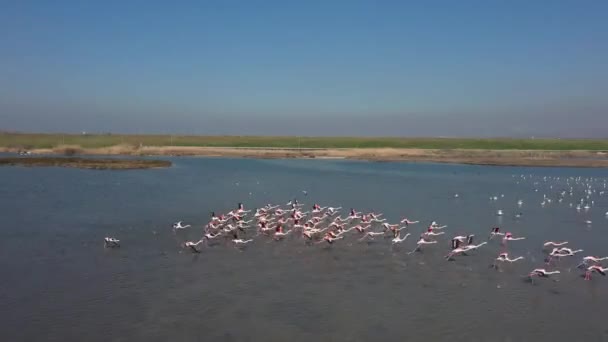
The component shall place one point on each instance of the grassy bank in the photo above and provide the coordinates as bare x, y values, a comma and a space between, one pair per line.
85, 163
49, 141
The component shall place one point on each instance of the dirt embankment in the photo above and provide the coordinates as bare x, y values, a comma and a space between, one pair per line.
460, 156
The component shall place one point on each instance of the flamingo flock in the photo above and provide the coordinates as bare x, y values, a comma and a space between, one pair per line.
325, 225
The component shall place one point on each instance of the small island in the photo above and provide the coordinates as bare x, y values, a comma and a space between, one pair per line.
85, 163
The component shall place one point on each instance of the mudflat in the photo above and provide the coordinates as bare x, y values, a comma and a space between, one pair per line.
549, 158
85, 163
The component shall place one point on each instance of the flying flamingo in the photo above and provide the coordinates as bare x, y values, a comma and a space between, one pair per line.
420, 243
399, 239
495, 231
509, 237
463, 250
504, 257
541, 273
192, 245
111, 242
595, 268
591, 259
554, 244
178, 225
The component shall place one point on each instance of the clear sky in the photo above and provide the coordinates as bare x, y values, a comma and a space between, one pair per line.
398, 68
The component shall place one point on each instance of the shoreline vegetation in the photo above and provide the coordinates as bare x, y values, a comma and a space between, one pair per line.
85, 163
500, 151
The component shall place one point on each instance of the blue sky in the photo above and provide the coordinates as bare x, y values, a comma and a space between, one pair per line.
430, 68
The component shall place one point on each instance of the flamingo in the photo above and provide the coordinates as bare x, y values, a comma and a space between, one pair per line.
463, 250
561, 252
329, 238
509, 237
495, 231
457, 240
504, 257
111, 242
541, 273
591, 259
422, 241
399, 239
595, 268
178, 225
407, 221
554, 244
371, 235
241, 241
192, 245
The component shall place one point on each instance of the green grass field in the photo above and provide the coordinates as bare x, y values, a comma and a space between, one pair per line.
30, 141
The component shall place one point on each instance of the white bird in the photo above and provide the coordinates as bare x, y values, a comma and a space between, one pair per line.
407, 221
555, 244
504, 257
241, 208
509, 237
210, 236
499, 212
561, 252
597, 269
421, 242
434, 225
342, 232
388, 226
192, 245
332, 210
330, 239
360, 228
541, 272
495, 231
564, 251
270, 207
241, 241
458, 240
463, 250
280, 235
111, 242
399, 240
591, 259
178, 225
371, 235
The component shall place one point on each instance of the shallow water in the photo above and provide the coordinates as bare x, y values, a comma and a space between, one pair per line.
60, 284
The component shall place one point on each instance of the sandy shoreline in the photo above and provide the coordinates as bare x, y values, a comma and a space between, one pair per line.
456, 156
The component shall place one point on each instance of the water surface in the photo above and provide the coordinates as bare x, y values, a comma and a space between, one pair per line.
60, 284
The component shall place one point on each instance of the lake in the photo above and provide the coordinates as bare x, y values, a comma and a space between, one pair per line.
59, 283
